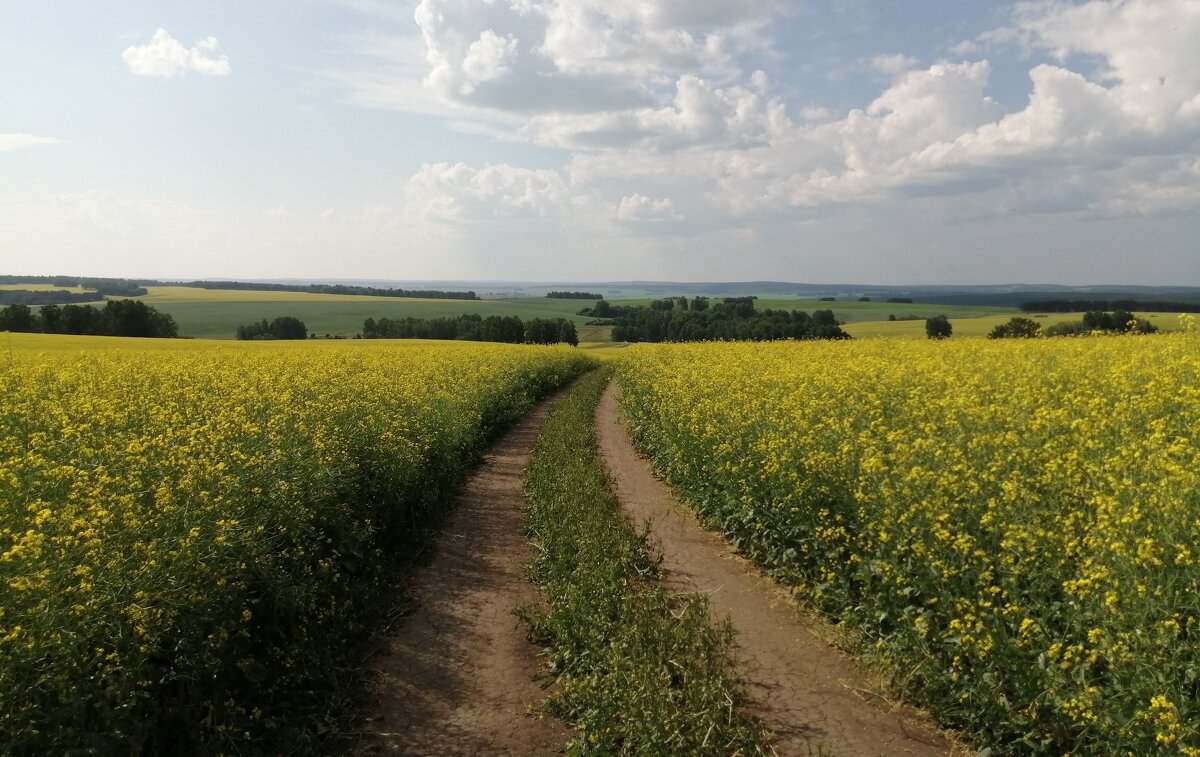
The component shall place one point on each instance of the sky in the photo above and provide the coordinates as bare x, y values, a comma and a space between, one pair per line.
844, 141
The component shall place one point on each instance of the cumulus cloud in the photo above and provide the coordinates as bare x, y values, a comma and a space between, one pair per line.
532, 57
698, 114
488, 58
638, 208
166, 56
642, 39
1108, 142
654, 100
10, 142
457, 192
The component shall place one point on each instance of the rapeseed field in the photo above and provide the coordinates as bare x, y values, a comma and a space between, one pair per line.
1014, 525
189, 531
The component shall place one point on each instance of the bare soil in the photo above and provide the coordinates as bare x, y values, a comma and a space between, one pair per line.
809, 694
457, 677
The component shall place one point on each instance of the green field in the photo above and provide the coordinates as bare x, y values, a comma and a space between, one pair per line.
216, 313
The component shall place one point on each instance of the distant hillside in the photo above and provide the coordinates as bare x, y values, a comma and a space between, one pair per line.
997, 295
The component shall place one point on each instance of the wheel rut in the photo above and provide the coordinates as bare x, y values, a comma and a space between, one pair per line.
457, 677
806, 692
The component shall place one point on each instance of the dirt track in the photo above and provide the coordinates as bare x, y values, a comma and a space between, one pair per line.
457, 676
802, 689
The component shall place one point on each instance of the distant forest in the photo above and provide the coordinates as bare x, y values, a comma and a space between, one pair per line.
473, 327
116, 318
44, 297
679, 319
137, 288
1077, 306
330, 289
574, 296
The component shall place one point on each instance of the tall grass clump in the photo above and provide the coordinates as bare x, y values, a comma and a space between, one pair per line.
1012, 524
190, 535
639, 670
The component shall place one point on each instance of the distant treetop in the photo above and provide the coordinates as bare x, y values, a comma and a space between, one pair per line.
1081, 306
574, 296
436, 294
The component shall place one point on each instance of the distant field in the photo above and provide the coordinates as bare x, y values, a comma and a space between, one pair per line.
982, 325
852, 311
216, 313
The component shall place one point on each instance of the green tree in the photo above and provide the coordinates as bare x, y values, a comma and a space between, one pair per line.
567, 333
17, 318
938, 327
1017, 328
288, 327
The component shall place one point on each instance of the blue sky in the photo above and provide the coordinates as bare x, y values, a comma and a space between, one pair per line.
844, 141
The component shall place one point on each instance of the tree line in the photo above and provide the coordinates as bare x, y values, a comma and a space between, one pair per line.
574, 296
116, 318
476, 328
438, 294
678, 319
137, 287
1077, 306
1116, 322
46, 297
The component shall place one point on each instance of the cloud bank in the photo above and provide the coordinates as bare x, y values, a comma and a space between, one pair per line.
650, 95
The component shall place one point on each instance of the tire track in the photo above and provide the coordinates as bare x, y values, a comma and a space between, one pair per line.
457, 678
806, 692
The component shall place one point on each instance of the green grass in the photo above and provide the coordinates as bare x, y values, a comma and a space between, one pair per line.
639, 669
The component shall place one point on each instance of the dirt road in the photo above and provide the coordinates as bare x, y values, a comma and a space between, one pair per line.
805, 691
457, 676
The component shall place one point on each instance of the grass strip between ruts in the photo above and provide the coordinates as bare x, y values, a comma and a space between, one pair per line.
639, 669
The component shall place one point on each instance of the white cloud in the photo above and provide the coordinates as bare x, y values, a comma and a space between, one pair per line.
488, 58
166, 56
10, 142
638, 208
534, 57
457, 192
653, 99
1079, 145
698, 114
655, 39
